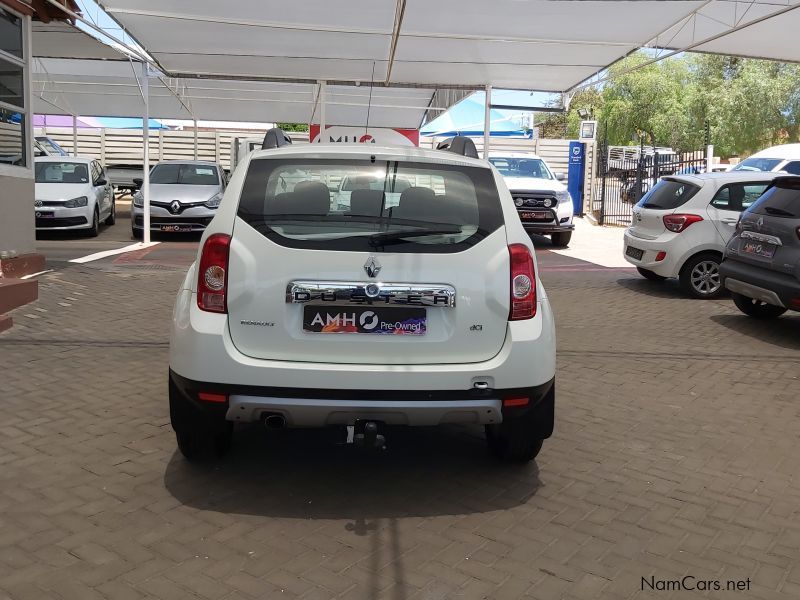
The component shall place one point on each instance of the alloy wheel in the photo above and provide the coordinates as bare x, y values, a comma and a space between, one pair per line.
705, 277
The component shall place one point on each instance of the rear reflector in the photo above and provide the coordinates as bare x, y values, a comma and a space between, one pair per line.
523, 283
510, 402
795, 302
212, 276
211, 397
661, 256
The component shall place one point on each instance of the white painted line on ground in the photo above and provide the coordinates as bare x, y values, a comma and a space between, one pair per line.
596, 244
29, 275
105, 253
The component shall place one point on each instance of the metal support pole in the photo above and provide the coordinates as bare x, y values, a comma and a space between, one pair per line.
195, 139
74, 135
322, 88
146, 147
487, 125
709, 158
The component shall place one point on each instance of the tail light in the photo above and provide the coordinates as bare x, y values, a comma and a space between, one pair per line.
678, 222
212, 279
797, 231
523, 283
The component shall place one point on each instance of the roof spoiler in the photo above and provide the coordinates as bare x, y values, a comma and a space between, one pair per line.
275, 138
459, 145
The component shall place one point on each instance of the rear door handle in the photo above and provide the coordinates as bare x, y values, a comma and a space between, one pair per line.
730, 221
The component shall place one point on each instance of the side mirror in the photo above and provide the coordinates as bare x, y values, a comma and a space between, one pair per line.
101, 182
561, 177
138, 181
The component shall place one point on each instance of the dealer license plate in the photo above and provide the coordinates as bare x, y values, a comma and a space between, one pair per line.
368, 319
535, 215
758, 248
176, 228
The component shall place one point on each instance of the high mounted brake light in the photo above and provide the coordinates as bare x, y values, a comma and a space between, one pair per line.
523, 283
212, 278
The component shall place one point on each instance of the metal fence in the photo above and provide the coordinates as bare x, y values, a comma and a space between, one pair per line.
623, 181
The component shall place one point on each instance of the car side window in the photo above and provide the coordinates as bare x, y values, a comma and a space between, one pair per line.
95, 172
738, 196
792, 168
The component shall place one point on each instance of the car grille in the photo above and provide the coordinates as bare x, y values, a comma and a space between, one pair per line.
50, 203
181, 208
61, 222
533, 198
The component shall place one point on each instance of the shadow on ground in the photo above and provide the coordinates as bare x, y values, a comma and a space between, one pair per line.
306, 474
659, 289
783, 331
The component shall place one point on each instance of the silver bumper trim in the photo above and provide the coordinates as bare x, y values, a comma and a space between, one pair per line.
309, 412
753, 291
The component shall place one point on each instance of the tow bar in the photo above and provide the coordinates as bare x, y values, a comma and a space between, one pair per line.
365, 433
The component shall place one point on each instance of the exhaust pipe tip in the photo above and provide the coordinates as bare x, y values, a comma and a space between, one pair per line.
274, 422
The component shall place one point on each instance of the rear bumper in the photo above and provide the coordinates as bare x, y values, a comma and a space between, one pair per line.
320, 408
762, 284
675, 248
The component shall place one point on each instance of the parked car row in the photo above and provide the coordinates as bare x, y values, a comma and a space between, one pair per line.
738, 231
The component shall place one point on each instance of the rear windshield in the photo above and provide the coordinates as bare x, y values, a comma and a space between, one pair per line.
184, 174
370, 206
62, 172
758, 164
521, 167
779, 201
668, 194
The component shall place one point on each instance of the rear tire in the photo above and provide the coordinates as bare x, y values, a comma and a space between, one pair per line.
648, 274
700, 277
755, 308
512, 443
561, 240
196, 443
112, 217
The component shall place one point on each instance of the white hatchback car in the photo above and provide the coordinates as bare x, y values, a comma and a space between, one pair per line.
417, 308
72, 193
681, 226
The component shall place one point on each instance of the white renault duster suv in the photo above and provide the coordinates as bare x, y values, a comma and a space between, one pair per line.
415, 307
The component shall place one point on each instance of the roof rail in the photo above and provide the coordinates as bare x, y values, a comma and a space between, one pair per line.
459, 145
275, 138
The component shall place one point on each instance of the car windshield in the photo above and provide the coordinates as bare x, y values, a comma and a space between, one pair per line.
53, 147
521, 167
184, 174
668, 194
403, 205
758, 164
62, 172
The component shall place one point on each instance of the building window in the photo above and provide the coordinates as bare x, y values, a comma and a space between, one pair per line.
13, 108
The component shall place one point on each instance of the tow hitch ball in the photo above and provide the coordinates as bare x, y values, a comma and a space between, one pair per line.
365, 433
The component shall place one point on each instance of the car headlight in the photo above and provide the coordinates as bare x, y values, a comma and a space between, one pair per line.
214, 201
77, 202
138, 199
563, 196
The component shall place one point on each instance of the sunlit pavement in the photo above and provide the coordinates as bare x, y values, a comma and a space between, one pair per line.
675, 453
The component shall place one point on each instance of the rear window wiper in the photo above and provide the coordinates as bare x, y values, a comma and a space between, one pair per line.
394, 237
778, 212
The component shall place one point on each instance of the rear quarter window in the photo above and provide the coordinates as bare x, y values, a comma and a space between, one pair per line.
355, 205
668, 194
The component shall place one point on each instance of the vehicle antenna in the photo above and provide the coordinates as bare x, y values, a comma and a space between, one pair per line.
369, 103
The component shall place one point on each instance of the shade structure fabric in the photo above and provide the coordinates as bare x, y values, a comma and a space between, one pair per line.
111, 88
467, 118
548, 45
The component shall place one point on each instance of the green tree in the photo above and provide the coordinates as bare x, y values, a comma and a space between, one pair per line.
288, 127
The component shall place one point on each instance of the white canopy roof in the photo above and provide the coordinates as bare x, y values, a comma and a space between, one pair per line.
548, 45
110, 88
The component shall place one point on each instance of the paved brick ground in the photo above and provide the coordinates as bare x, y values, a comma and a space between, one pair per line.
676, 453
